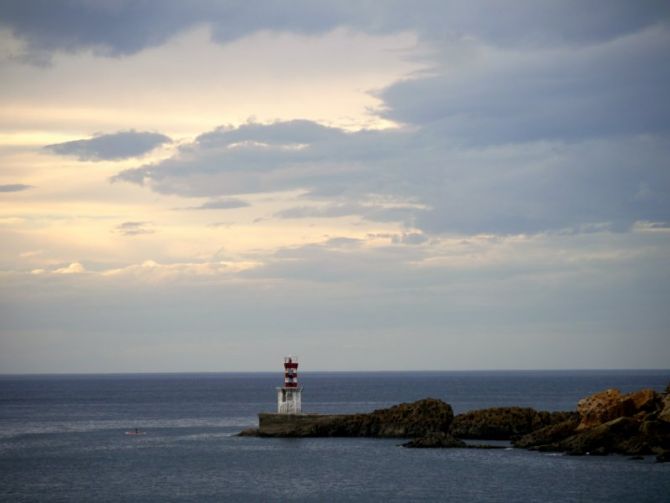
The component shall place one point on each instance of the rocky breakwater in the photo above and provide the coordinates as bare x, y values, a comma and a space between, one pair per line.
428, 422
406, 420
635, 424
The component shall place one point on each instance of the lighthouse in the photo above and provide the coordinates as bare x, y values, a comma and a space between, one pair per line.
289, 396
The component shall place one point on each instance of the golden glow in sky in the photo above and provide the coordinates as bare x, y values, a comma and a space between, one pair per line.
185, 87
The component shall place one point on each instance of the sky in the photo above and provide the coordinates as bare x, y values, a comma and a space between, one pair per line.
370, 185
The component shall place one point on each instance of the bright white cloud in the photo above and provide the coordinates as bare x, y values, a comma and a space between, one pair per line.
73, 268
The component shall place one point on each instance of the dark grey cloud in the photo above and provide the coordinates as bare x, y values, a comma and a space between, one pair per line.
534, 117
544, 117
512, 188
15, 187
262, 157
134, 228
615, 88
118, 28
115, 28
121, 145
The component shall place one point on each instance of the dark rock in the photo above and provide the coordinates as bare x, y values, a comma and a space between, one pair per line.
249, 432
548, 435
407, 420
636, 445
504, 423
663, 456
414, 419
433, 440
619, 435
656, 433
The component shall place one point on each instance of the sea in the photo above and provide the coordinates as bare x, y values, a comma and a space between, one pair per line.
64, 438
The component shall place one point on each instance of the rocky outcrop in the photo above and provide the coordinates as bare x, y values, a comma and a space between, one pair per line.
616, 435
504, 423
609, 422
645, 400
664, 414
634, 424
548, 435
602, 407
406, 420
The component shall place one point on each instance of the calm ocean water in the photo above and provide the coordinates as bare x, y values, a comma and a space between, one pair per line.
62, 438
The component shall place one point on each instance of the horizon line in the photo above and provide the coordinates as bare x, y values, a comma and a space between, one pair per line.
378, 371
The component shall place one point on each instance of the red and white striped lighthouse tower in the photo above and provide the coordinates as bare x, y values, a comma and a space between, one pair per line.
289, 399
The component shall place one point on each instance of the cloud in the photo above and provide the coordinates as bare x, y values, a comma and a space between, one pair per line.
121, 145
120, 28
260, 157
530, 299
73, 268
15, 187
397, 263
376, 213
410, 238
483, 94
506, 133
134, 228
521, 204
155, 271
222, 204
31, 253
343, 242
285, 134
425, 180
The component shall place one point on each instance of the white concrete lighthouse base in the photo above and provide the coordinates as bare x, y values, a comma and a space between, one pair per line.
289, 400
